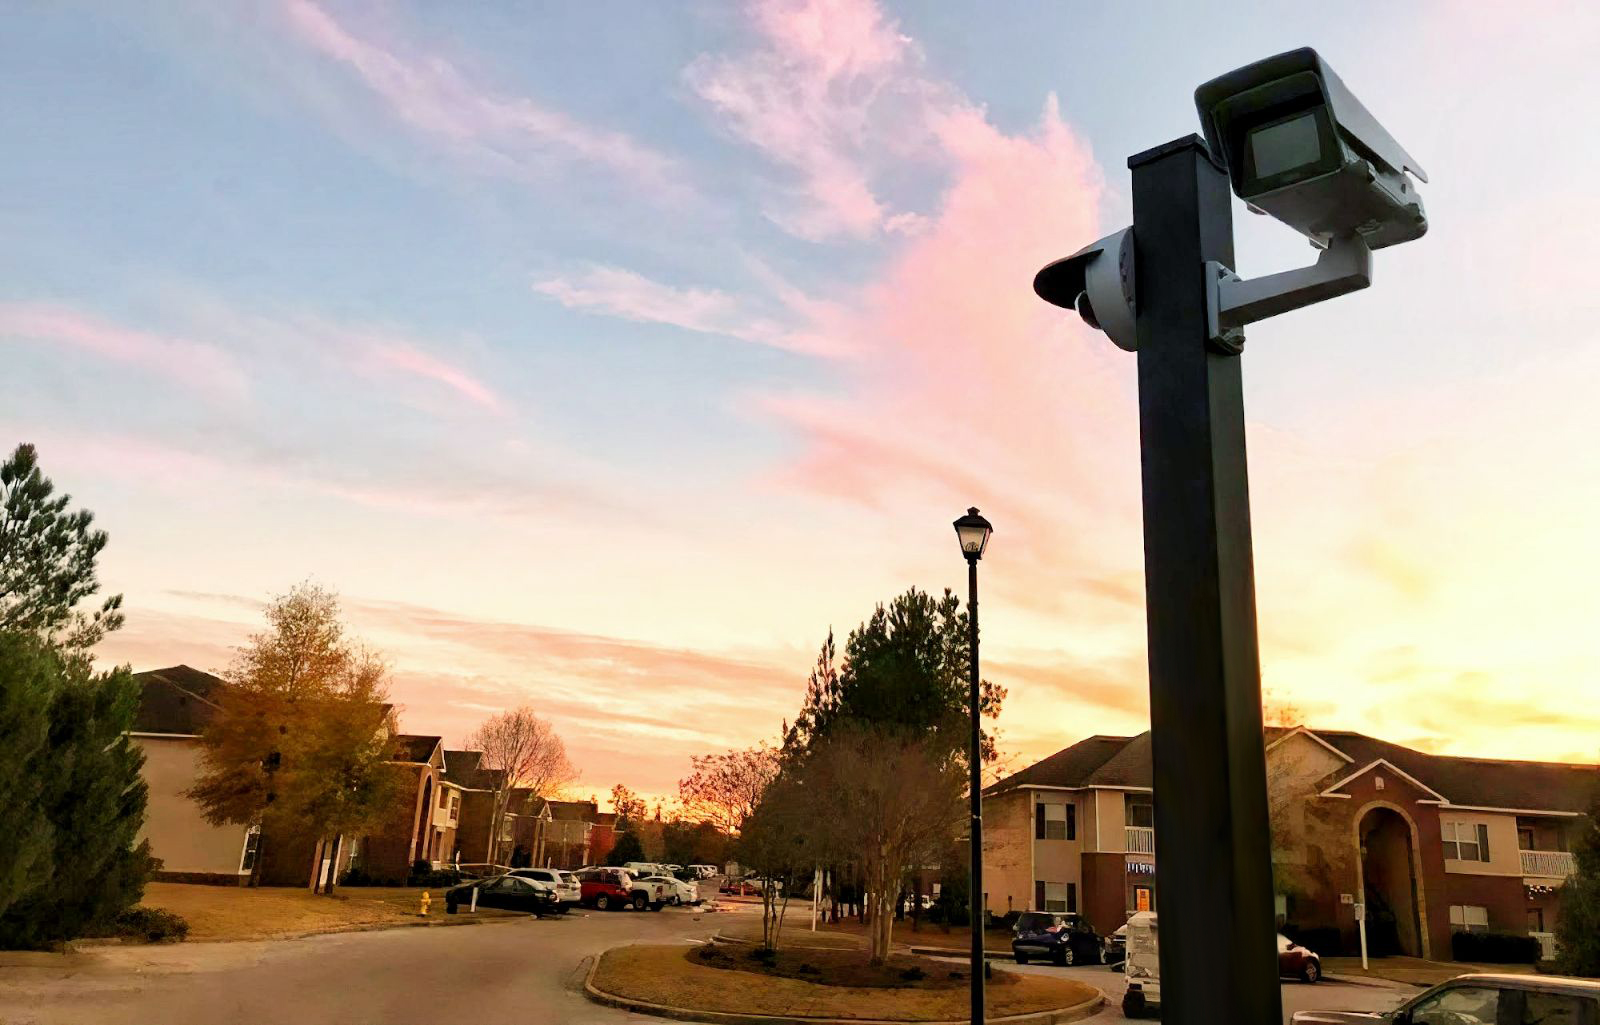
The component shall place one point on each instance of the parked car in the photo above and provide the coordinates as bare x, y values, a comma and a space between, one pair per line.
569, 892
640, 869
508, 892
703, 871
742, 887
1141, 968
652, 892
605, 889
677, 891
1296, 962
1063, 937
1485, 999
1117, 947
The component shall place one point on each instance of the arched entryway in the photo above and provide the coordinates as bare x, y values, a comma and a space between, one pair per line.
1387, 839
425, 823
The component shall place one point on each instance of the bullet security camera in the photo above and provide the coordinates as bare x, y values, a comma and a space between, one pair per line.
1299, 146
1097, 281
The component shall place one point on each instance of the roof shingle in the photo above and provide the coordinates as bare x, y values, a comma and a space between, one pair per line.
177, 700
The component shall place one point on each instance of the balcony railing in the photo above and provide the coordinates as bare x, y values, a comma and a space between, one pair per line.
1552, 864
1141, 840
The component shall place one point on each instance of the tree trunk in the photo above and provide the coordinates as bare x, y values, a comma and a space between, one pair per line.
261, 850
333, 864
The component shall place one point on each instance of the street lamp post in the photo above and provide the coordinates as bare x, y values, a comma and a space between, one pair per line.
973, 532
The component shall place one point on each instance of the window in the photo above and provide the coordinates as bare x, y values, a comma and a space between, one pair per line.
1469, 918
252, 844
1525, 838
1142, 814
1143, 899
455, 807
1463, 1005
1550, 1009
1055, 822
1465, 841
1055, 896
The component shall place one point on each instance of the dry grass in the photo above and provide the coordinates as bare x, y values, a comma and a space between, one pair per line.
1415, 970
240, 913
665, 975
797, 930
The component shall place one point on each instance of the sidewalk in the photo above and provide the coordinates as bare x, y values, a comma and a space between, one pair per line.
1413, 971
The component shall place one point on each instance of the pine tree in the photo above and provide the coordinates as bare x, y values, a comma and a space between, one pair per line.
94, 799
1578, 921
628, 848
28, 679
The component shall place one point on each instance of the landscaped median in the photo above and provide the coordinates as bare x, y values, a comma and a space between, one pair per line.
736, 983
243, 913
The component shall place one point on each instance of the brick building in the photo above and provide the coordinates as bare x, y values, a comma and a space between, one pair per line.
1434, 844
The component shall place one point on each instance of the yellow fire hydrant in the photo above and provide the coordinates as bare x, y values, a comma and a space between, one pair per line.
427, 899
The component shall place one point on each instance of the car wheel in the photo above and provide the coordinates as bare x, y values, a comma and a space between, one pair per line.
1132, 1004
450, 907
656, 906
1311, 971
1020, 958
602, 903
638, 902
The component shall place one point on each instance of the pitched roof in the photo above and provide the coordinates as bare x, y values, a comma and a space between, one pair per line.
464, 769
583, 811
1072, 766
1472, 782
409, 747
176, 700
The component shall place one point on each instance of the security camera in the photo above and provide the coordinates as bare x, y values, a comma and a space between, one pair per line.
1300, 146
1097, 281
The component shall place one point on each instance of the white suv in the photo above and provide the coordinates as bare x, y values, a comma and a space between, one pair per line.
568, 892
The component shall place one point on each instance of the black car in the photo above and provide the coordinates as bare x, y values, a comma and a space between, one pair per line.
1064, 938
508, 893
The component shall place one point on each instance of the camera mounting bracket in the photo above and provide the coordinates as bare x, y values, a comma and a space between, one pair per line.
1232, 302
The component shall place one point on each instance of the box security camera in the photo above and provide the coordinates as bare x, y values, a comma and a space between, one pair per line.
1097, 281
1299, 146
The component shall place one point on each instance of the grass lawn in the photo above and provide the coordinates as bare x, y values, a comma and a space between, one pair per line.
1415, 970
668, 975
241, 913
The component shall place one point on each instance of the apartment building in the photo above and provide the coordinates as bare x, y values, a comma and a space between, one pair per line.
1430, 844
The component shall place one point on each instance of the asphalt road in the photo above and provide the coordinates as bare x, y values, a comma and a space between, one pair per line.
517, 971
497, 972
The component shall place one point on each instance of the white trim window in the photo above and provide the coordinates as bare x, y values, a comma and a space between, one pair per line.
252, 846
1061, 897
1468, 918
1465, 841
1055, 821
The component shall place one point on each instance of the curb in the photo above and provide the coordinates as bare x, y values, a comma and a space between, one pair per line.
1375, 982
1053, 1016
988, 955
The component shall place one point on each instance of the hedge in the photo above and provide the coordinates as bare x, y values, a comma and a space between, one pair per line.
1495, 947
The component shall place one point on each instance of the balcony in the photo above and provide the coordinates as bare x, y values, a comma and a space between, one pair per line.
1548, 864
1140, 839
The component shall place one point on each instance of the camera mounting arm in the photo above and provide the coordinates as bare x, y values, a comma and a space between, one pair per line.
1231, 302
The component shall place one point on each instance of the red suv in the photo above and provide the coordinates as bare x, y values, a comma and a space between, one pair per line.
606, 889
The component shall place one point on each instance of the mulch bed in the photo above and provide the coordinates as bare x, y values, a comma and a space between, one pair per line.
838, 967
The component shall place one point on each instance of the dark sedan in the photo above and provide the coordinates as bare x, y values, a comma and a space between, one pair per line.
507, 893
1063, 938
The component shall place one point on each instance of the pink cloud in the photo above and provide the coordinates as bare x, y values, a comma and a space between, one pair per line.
832, 88
507, 134
617, 292
197, 365
411, 360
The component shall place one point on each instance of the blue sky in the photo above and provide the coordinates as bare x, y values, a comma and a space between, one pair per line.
602, 354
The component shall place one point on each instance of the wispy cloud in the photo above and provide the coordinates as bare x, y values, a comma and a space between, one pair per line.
831, 92
618, 292
511, 135
199, 366
379, 352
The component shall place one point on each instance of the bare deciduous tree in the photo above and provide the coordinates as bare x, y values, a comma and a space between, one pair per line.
890, 799
528, 755
724, 789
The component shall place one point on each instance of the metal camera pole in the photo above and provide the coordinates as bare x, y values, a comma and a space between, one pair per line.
1218, 962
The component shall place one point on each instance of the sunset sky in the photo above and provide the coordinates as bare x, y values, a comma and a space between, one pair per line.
604, 355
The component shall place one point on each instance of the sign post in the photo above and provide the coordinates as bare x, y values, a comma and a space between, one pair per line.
1361, 926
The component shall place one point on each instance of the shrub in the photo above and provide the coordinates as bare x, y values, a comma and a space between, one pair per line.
433, 877
766, 955
151, 925
913, 974
807, 968
712, 953
1495, 947
1323, 939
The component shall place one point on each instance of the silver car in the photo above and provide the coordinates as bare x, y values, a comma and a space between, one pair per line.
1483, 1000
568, 891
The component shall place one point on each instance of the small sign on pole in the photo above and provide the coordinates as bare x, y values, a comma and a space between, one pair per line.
1361, 925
